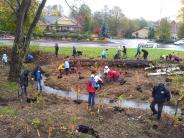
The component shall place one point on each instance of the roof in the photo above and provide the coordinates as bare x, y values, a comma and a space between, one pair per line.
51, 19
61, 20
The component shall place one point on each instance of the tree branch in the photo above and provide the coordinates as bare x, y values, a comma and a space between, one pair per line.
18, 3
35, 21
11, 6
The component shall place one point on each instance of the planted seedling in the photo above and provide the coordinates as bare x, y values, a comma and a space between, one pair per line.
36, 124
73, 122
121, 99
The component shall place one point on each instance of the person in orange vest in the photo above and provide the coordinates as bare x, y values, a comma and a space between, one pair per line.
91, 90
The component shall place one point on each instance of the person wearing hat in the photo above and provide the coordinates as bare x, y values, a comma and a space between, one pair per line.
91, 90
98, 81
160, 95
106, 71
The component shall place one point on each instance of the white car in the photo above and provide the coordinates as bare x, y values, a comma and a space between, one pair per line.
149, 44
179, 42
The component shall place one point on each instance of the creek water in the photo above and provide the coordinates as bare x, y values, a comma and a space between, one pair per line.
113, 43
126, 103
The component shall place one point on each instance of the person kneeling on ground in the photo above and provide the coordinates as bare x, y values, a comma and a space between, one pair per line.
29, 58
113, 75
61, 69
145, 54
67, 67
24, 83
160, 95
91, 90
98, 81
106, 71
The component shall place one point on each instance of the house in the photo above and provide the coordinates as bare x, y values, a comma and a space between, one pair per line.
60, 24
174, 30
142, 33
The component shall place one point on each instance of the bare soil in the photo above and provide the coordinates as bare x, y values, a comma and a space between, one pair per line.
138, 85
63, 116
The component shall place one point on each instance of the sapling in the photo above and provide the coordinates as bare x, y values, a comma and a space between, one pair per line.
121, 99
101, 102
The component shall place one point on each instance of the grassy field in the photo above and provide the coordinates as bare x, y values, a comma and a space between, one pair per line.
96, 52
93, 52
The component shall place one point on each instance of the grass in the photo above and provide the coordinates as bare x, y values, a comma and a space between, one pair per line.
7, 111
93, 52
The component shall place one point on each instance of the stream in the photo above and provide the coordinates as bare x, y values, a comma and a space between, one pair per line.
126, 103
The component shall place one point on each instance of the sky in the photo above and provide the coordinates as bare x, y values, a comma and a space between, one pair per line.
147, 9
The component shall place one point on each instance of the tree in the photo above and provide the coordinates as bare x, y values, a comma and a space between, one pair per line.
151, 33
164, 31
104, 30
21, 10
54, 10
116, 17
181, 18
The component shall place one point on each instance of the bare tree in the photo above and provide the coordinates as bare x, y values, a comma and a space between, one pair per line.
22, 39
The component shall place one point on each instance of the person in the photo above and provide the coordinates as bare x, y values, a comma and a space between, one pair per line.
106, 71
38, 77
119, 52
113, 75
29, 58
74, 51
91, 91
124, 52
104, 54
145, 54
5, 59
160, 95
61, 69
98, 81
67, 67
24, 82
56, 49
138, 51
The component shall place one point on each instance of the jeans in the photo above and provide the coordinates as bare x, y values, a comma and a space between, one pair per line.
138, 53
103, 57
91, 99
160, 107
23, 90
38, 85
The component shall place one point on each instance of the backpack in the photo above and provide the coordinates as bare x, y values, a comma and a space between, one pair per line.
161, 94
96, 85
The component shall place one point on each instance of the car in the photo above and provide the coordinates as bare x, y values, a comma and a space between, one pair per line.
179, 42
149, 44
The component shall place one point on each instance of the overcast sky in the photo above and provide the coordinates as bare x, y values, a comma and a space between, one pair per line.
148, 9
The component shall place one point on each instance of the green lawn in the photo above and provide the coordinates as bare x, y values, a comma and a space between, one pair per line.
96, 52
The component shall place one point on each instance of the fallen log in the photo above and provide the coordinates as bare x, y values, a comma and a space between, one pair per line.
166, 73
111, 63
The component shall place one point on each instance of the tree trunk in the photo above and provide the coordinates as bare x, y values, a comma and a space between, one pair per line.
22, 41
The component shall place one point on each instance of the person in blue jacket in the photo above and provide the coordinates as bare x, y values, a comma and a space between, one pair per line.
38, 77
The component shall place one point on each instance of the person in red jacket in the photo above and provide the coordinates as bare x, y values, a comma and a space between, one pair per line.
91, 90
113, 75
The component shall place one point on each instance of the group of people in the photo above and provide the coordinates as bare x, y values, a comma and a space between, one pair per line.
160, 93
95, 83
36, 75
64, 68
171, 57
124, 50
